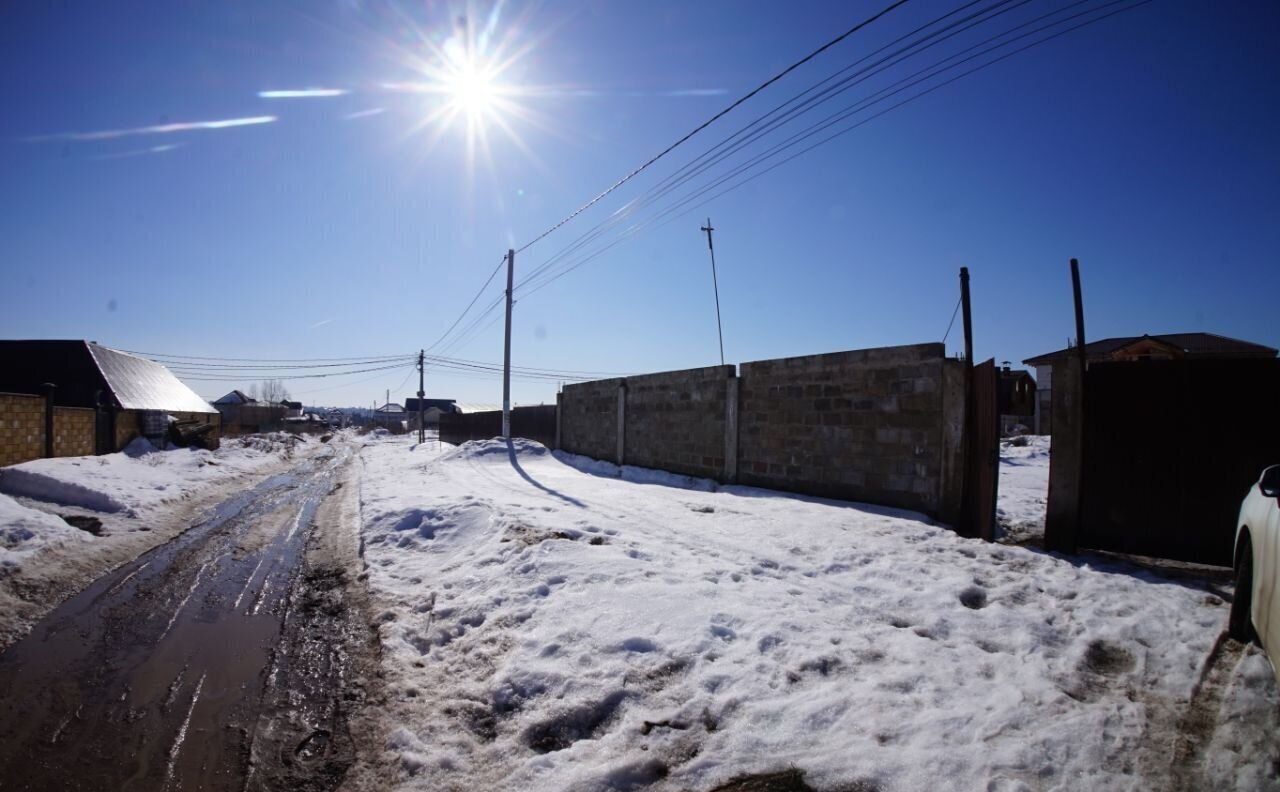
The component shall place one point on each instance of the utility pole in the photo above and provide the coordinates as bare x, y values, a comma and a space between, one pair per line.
715, 285
967, 316
506, 355
422, 430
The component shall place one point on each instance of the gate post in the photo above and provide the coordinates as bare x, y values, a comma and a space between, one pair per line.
1066, 462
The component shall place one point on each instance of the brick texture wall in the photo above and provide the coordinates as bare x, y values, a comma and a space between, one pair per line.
589, 419
676, 421
867, 425
73, 431
21, 428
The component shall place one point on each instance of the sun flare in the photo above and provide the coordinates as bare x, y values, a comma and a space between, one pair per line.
472, 90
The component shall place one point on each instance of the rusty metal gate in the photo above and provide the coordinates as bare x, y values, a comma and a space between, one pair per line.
1170, 449
983, 453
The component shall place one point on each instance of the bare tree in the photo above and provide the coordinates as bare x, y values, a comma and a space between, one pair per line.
273, 391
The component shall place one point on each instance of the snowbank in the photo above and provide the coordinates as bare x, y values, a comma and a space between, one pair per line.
26, 532
548, 629
139, 476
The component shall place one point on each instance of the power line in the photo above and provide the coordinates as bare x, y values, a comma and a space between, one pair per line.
363, 358
713, 119
841, 115
470, 304
203, 378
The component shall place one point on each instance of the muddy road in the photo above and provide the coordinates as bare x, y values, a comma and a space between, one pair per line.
230, 658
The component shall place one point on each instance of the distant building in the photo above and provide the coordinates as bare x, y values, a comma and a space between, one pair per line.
432, 409
292, 409
1171, 346
120, 396
236, 397
391, 416
1017, 398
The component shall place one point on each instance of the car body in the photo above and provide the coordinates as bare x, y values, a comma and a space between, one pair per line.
1255, 611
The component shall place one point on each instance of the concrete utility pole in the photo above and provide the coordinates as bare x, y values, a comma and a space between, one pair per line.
422, 430
506, 355
715, 285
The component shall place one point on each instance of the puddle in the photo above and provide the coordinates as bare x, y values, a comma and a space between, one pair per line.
154, 676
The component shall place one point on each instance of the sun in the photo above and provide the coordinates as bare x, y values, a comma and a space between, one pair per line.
473, 91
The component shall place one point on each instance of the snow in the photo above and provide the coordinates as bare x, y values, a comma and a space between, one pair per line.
1024, 487
26, 533
138, 477
549, 622
142, 497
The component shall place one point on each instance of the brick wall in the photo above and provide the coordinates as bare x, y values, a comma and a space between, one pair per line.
21, 428
865, 425
73, 431
589, 419
676, 421
883, 426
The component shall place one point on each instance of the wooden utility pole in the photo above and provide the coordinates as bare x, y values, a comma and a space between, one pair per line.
422, 430
1075, 288
967, 318
506, 355
715, 285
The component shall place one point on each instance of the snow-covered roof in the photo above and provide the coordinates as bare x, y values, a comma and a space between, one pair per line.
141, 384
391, 407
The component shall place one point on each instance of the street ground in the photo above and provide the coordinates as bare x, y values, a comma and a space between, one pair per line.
502, 617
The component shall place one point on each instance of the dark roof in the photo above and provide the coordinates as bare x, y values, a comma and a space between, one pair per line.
292, 405
236, 397
1194, 344
87, 374
443, 405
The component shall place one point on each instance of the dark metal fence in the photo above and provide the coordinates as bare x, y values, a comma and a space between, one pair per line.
1170, 449
532, 423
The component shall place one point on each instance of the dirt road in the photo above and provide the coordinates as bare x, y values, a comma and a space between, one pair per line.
228, 659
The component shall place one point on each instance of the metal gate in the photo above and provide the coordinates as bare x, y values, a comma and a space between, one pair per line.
1170, 449
983, 453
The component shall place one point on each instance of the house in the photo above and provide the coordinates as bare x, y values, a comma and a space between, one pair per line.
1171, 346
292, 409
236, 397
101, 399
1016, 398
432, 409
391, 416
243, 414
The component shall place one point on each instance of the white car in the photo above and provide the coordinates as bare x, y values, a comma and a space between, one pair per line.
1255, 611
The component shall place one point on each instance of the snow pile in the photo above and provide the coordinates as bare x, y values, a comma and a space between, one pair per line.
25, 532
1024, 487
137, 477
548, 629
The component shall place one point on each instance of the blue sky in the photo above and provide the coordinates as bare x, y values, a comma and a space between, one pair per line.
361, 224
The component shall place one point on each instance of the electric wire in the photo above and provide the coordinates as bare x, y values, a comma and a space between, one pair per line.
873, 18
841, 115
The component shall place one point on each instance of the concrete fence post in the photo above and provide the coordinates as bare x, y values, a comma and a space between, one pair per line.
731, 429
559, 407
49, 388
622, 422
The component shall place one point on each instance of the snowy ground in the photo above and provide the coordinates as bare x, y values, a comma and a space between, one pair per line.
547, 625
1024, 488
142, 497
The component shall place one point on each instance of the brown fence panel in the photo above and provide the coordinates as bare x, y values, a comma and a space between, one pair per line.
1171, 447
532, 423
982, 478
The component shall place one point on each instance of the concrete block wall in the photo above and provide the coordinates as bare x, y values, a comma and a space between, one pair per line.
21, 428
866, 425
589, 419
73, 431
676, 421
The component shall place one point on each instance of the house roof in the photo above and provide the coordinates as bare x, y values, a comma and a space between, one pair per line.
390, 407
141, 384
1195, 344
443, 405
236, 397
87, 374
